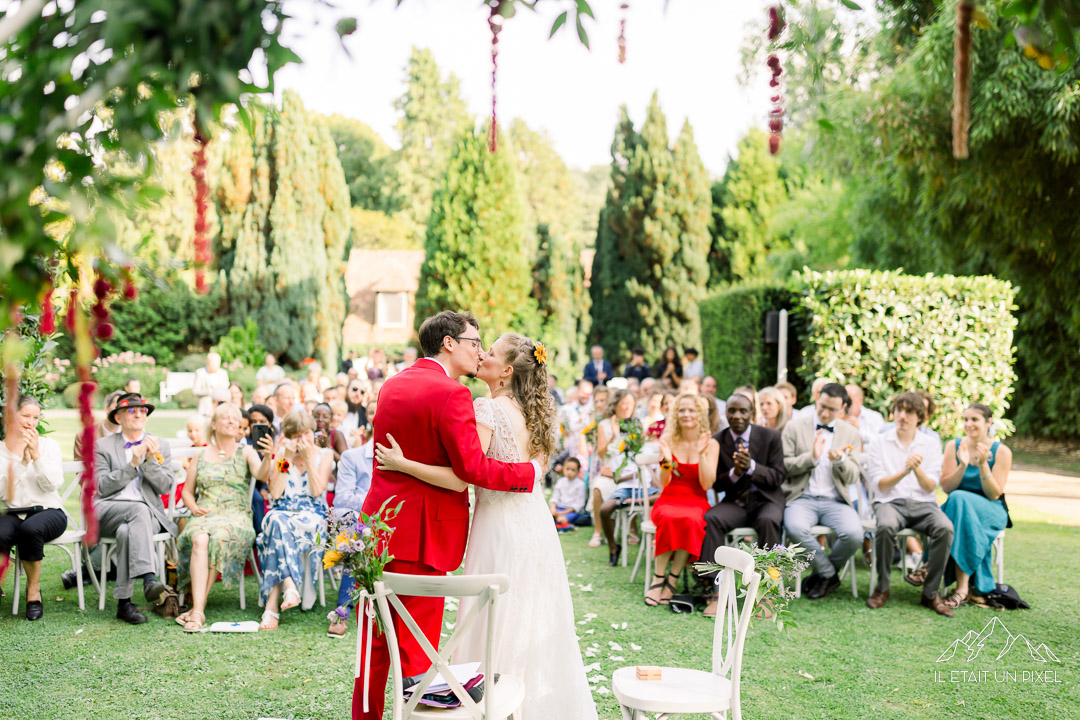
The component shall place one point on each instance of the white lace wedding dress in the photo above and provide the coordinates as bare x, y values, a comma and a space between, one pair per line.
513, 534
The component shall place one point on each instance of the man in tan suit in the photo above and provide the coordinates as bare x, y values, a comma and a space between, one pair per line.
821, 458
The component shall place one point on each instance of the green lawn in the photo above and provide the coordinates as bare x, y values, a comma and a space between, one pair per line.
843, 661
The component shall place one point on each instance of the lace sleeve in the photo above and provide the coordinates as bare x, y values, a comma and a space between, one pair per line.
485, 413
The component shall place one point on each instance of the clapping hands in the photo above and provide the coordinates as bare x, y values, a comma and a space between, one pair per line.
913, 461
31, 453
819, 444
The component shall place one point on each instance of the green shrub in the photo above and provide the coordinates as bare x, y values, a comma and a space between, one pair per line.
113, 372
245, 375
30, 351
186, 400
242, 344
190, 363
733, 335
888, 332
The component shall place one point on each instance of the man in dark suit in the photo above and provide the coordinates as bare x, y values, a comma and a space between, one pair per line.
750, 473
598, 370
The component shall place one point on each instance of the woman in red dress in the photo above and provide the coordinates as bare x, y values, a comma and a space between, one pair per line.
688, 459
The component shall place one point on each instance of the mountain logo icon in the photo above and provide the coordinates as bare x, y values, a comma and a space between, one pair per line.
996, 638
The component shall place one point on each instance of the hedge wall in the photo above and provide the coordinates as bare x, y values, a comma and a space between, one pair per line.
733, 336
889, 332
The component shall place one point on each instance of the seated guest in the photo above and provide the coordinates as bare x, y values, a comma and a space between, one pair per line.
568, 497
598, 370
264, 416
101, 429
32, 474
815, 390
133, 385
694, 366
708, 391
750, 472
284, 402
355, 415
637, 367
791, 395
236, 394
297, 482
132, 472
207, 380
270, 373
749, 391
687, 470
652, 412
219, 535
903, 468
353, 483
821, 462
773, 410
867, 421
610, 491
974, 474
325, 436
669, 370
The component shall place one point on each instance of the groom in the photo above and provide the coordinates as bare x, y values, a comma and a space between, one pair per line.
431, 415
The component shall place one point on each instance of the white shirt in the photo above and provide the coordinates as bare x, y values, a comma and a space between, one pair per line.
821, 480
437, 363
569, 494
735, 441
695, 369
270, 374
886, 456
133, 490
871, 424
37, 482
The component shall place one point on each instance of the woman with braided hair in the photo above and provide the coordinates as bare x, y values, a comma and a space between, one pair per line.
512, 534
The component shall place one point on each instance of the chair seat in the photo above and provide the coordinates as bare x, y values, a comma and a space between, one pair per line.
680, 691
69, 537
822, 530
509, 694
647, 526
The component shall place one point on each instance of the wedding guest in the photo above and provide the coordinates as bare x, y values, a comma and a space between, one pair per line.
974, 474
284, 402
557, 395
311, 387
131, 469
236, 394
376, 366
601, 402
750, 392
750, 473
821, 463
903, 468
260, 395
687, 471
355, 415
568, 497
637, 367
103, 428
648, 387
245, 426
815, 390
408, 356
633, 385
669, 370
616, 481
297, 482
598, 370
791, 395
259, 415
575, 416
133, 386
348, 362
207, 380
694, 366
270, 373
32, 473
339, 409
868, 421
774, 411
325, 436
219, 535
653, 410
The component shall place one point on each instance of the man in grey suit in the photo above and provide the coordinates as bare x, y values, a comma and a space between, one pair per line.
821, 458
132, 472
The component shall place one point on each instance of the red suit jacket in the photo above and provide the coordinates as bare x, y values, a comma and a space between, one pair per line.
432, 418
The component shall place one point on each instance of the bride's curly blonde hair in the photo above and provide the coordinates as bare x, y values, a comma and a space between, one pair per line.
529, 385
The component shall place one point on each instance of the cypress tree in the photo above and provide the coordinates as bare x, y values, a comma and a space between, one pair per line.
561, 299
474, 247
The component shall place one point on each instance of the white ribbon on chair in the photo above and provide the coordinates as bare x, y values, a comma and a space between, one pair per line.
366, 610
731, 613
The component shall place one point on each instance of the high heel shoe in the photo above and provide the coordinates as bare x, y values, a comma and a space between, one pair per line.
614, 557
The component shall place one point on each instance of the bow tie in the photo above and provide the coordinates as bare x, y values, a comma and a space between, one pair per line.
829, 428
129, 445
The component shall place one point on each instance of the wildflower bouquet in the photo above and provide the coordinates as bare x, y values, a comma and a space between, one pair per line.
633, 439
590, 432
779, 566
359, 544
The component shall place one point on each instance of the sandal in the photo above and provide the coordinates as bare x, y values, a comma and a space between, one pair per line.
269, 620
290, 599
955, 599
653, 602
182, 618
712, 607
196, 622
917, 576
669, 586
595, 542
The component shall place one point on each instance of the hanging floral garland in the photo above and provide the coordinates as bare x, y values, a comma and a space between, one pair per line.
495, 20
961, 115
202, 201
622, 33
776, 115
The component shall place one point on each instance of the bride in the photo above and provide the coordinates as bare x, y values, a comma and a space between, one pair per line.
513, 534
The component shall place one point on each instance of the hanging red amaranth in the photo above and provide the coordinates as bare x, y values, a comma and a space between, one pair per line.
130, 291
622, 33
495, 25
202, 197
48, 317
11, 404
776, 115
83, 330
961, 115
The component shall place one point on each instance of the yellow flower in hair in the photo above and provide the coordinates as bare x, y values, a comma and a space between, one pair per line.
540, 353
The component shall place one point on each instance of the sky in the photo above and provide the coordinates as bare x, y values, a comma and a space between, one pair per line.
689, 52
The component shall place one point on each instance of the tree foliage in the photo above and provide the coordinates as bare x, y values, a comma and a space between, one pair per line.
365, 160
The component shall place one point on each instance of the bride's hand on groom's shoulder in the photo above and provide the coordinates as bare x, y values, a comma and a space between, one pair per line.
389, 458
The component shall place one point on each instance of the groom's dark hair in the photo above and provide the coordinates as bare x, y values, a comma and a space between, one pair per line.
447, 323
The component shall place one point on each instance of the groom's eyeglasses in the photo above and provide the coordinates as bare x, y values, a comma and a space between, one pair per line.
477, 343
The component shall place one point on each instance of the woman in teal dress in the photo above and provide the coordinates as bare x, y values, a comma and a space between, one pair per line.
973, 473
219, 535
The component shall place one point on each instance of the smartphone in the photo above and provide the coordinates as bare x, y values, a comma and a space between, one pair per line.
258, 432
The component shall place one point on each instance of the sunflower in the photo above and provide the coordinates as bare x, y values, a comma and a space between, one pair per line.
540, 353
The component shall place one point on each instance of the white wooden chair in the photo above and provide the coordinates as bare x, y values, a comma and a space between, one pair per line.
646, 551
682, 691
70, 541
501, 699
997, 550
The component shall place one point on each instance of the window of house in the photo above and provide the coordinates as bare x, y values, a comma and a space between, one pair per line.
391, 309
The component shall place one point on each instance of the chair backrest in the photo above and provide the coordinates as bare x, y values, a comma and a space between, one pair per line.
485, 588
74, 469
644, 462
729, 634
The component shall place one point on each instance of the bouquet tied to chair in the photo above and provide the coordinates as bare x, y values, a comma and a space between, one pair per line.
780, 566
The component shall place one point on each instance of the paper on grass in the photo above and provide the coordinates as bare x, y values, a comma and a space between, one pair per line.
247, 626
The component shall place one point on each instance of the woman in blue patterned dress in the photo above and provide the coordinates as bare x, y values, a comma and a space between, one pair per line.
298, 477
974, 472
219, 535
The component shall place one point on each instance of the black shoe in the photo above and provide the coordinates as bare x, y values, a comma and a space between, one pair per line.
153, 591
68, 578
614, 559
129, 613
824, 587
810, 582
34, 609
